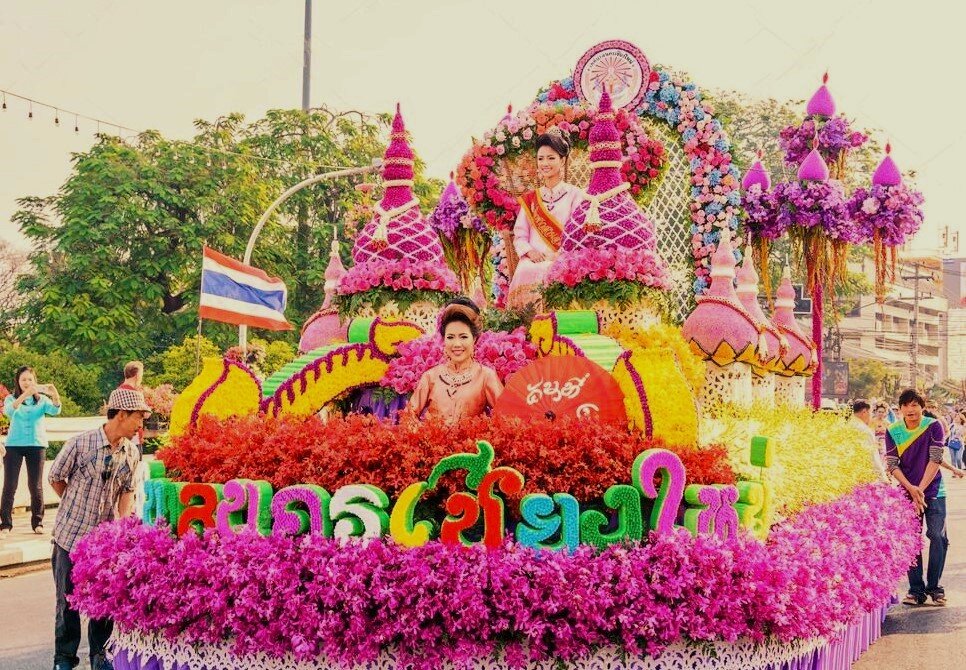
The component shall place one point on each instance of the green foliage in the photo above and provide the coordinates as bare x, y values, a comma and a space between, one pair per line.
277, 354
178, 365
620, 293
507, 320
379, 297
115, 270
871, 379
78, 385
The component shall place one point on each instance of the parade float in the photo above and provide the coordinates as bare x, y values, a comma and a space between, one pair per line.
645, 494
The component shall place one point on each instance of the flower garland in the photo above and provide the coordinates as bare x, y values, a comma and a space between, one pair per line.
311, 597
582, 458
715, 195
401, 281
504, 352
464, 238
515, 137
887, 216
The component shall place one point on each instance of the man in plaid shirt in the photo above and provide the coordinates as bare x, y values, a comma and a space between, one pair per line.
94, 477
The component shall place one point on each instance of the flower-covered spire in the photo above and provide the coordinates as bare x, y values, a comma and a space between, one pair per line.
771, 343
887, 174
605, 149
335, 270
821, 102
397, 166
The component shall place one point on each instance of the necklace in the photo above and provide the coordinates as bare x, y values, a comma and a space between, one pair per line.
455, 380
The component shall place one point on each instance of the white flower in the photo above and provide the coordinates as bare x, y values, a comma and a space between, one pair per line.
515, 142
870, 205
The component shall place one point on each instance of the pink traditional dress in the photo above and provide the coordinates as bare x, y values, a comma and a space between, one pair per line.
454, 396
539, 227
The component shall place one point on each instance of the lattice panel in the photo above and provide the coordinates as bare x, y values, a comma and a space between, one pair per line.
670, 211
423, 314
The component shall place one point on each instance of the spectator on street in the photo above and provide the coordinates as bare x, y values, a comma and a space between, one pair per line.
94, 476
862, 419
134, 381
914, 452
957, 435
26, 408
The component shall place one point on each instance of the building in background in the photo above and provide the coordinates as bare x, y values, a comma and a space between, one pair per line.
954, 289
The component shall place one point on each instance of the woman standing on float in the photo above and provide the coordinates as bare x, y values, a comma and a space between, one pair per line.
543, 213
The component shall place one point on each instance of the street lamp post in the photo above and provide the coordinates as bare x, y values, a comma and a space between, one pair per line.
348, 172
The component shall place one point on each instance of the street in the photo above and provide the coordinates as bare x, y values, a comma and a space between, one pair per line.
932, 638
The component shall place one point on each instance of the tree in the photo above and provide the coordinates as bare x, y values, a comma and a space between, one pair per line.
180, 364
115, 270
871, 379
13, 263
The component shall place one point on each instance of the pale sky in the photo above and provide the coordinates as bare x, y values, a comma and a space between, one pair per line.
455, 65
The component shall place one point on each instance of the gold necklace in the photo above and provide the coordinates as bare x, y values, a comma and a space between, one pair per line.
454, 380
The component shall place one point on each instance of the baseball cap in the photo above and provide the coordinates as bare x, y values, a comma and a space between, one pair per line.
128, 400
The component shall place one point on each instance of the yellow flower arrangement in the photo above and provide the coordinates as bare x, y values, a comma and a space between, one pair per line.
818, 456
663, 337
657, 397
223, 388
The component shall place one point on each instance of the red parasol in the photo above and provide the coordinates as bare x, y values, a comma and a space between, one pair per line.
557, 386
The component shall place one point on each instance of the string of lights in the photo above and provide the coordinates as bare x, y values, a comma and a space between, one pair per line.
102, 124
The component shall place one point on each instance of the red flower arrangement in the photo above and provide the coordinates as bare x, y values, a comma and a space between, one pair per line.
582, 458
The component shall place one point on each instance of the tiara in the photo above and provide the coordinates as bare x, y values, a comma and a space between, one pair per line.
555, 131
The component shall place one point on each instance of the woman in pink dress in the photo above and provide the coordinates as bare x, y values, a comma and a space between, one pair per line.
460, 387
539, 226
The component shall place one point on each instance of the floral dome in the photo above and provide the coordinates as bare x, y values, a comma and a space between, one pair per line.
771, 342
799, 357
325, 327
720, 329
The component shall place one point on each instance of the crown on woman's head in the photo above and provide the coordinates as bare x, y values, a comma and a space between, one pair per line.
555, 131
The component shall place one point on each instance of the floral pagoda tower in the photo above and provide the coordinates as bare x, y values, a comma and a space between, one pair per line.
398, 249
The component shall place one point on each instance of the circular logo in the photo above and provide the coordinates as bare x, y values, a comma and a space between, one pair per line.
617, 65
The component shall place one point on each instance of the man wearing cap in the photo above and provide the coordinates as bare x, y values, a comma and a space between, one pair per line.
94, 477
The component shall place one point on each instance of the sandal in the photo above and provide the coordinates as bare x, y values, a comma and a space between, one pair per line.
38, 530
938, 599
914, 599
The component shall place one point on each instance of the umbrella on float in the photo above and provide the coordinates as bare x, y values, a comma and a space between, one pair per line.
558, 386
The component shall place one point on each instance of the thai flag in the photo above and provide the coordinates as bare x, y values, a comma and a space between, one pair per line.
232, 292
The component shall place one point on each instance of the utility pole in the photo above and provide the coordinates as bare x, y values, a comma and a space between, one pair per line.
307, 56
914, 340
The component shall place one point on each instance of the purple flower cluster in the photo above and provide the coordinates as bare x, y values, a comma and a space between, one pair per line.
451, 214
504, 352
313, 597
761, 214
834, 137
891, 213
806, 205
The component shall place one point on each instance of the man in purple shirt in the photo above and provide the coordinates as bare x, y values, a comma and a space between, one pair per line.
914, 450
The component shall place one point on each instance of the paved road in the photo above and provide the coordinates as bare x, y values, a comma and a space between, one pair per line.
927, 638
930, 638
27, 622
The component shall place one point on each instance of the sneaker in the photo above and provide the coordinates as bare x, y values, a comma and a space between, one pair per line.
100, 662
63, 665
914, 599
38, 530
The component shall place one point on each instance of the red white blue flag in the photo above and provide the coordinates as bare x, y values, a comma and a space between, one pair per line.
232, 292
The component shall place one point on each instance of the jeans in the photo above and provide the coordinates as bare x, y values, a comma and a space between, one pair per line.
938, 544
67, 628
956, 457
35, 457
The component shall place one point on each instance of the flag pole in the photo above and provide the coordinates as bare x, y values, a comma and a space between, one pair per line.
198, 347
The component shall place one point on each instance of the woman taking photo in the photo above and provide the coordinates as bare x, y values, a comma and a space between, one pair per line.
460, 387
26, 408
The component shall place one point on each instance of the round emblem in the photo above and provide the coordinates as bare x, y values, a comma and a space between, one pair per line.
618, 65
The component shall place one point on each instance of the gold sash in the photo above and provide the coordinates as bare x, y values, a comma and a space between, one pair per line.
542, 220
